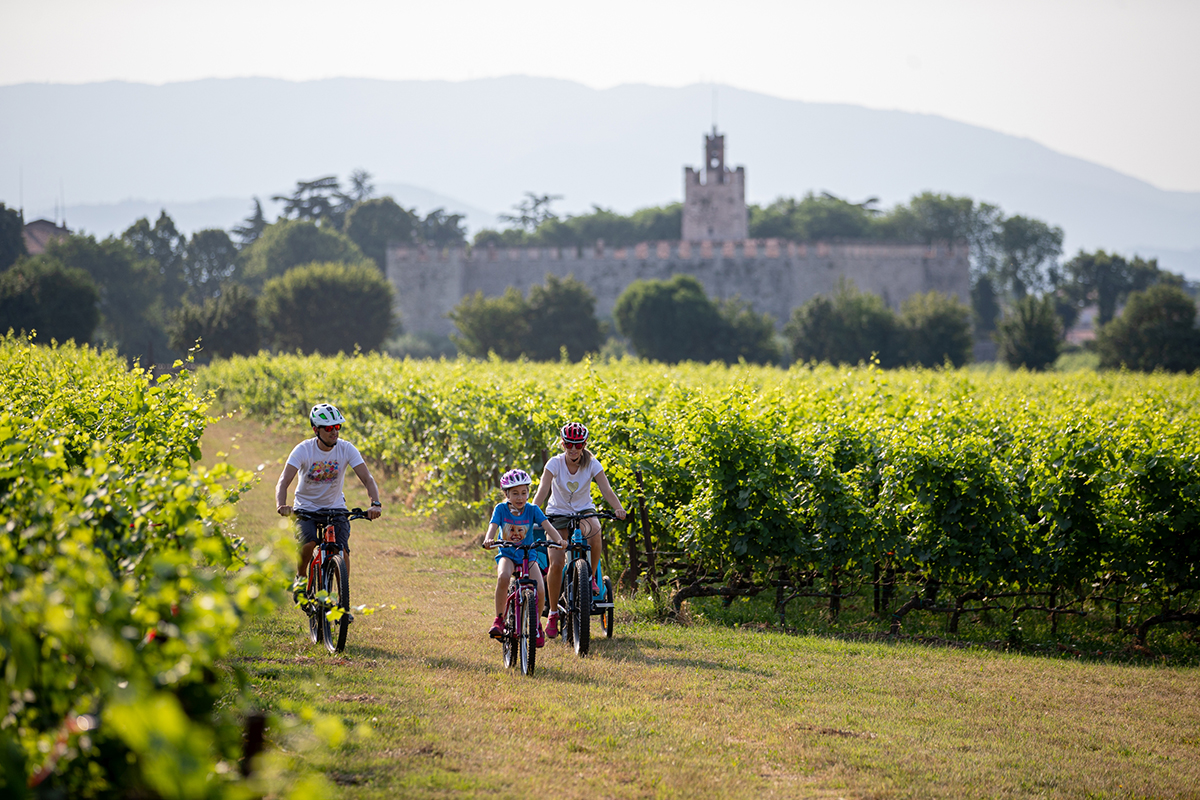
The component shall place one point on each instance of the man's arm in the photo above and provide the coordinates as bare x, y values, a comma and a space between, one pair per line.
281, 489
364, 475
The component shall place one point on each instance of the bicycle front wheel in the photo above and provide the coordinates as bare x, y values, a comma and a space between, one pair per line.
581, 606
509, 639
529, 629
337, 583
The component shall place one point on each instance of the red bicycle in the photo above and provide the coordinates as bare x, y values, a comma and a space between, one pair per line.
519, 640
327, 596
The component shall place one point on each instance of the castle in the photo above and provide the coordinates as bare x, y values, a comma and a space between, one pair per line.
773, 276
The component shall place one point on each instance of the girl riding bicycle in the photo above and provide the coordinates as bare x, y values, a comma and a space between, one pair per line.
567, 482
515, 520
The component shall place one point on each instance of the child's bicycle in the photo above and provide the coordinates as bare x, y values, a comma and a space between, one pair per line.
328, 591
519, 640
576, 603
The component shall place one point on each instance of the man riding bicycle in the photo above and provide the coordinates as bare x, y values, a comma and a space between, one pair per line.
321, 463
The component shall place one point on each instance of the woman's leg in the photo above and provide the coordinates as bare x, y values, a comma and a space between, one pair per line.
591, 529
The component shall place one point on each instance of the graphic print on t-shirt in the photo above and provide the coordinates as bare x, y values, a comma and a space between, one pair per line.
515, 533
323, 471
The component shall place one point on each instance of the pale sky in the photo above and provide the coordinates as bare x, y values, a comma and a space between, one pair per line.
1116, 82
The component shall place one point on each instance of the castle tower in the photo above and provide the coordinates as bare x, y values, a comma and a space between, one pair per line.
714, 199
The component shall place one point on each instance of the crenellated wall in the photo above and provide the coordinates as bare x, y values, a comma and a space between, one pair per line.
773, 276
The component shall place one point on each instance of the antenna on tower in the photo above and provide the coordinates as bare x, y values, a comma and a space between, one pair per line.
714, 91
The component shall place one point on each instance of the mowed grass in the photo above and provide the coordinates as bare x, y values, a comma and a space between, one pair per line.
664, 710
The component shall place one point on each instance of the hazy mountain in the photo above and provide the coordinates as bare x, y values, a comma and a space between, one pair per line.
488, 141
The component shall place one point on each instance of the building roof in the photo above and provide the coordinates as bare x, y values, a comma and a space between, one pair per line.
39, 233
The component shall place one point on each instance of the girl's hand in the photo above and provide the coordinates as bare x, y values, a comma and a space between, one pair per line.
620, 512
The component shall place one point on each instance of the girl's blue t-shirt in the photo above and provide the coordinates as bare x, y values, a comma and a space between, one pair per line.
531, 515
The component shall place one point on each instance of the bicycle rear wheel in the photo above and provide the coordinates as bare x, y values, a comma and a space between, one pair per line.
337, 583
581, 606
606, 615
508, 640
529, 629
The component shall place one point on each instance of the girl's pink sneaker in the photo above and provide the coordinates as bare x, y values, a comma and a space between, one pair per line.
497, 628
552, 626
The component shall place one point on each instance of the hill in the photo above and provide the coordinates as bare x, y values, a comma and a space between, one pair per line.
488, 141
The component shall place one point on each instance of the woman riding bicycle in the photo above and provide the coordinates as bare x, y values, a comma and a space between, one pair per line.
516, 520
321, 463
567, 482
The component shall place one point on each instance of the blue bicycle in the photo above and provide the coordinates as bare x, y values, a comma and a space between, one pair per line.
576, 603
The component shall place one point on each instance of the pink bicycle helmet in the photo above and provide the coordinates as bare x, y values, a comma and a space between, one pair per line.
574, 432
515, 477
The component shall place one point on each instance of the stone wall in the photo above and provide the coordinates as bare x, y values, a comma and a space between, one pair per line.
773, 276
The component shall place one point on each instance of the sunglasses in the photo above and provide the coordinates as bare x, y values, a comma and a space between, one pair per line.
330, 428
574, 445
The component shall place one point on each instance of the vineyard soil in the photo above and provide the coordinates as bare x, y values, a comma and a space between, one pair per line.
665, 710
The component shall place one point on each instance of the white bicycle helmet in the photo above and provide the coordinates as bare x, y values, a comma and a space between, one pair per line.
326, 414
515, 477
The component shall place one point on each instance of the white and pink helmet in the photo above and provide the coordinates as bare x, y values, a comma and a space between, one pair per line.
515, 477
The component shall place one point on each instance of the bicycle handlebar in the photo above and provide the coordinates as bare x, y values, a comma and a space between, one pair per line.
329, 516
496, 543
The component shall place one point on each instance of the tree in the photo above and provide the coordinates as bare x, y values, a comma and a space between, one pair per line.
499, 325
814, 218
848, 328
248, 232
327, 308
211, 261
12, 237
562, 313
668, 321
320, 201
131, 318
289, 243
361, 188
163, 244
532, 212
936, 327
745, 334
440, 229
1026, 248
985, 304
373, 224
1157, 330
226, 324
57, 301
1030, 336
1107, 280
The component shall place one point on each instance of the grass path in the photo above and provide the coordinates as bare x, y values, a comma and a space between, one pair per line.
701, 711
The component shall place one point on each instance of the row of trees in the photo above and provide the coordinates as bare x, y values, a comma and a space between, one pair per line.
152, 291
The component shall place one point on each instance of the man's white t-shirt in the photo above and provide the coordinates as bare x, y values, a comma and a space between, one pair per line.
570, 494
322, 473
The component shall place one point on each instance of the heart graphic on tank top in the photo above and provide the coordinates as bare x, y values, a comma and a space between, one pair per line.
573, 486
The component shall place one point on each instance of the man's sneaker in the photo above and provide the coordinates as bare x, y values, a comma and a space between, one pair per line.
541, 639
595, 588
497, 628
552, 625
